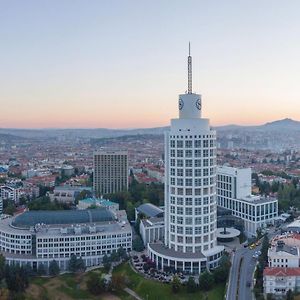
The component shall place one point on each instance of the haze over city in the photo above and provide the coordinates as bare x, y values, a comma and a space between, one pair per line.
73, 64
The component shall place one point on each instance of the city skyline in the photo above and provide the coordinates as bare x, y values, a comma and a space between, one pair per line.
69, 65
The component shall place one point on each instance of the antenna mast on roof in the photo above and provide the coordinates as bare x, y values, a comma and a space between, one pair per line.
189, 71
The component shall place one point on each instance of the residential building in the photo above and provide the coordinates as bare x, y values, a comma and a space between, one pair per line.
279, 281
110, 172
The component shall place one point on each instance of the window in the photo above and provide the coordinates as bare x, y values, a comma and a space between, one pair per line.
188, 153
172, 162
197, 153
179, 153
179, 201
172, 172
188, 192
198, 220
180, 210
188, 144
180, 229
189, 172
179, 163
189, 163
172, 180
198, 230
179, 144
197, 182
189, 230
198, 201
172, 153
188, 211
205, 153
179, 172
180, 181
197, 172
197, 143
188, 221
172, 144
180, 220
197, 162
198, 211
205, 144
188, 201
188, 181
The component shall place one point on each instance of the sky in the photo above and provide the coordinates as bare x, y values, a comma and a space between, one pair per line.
122, 64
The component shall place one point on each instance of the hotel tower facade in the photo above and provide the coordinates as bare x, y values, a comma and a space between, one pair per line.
190, 242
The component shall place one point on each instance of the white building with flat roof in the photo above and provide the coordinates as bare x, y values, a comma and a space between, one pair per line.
234, 194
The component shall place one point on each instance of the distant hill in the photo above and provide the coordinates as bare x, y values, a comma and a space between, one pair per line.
283, 124
96, 133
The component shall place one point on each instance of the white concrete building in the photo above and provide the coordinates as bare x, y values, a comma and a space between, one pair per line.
152, 230
190, 243
110, 172
284, 256
38, 237
234, 193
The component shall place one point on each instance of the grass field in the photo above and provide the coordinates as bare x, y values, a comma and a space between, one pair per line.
73, 287
153, 290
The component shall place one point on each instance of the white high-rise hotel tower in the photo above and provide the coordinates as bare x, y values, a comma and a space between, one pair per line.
190, 190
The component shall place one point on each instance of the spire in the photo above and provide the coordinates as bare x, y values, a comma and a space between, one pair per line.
189, 71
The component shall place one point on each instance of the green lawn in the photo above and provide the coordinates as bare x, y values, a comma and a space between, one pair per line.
153, 290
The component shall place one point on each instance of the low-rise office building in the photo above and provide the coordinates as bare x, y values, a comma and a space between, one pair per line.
39, 237
97, 202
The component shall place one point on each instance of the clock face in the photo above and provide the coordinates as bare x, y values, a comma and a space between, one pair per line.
180, 104
198, 103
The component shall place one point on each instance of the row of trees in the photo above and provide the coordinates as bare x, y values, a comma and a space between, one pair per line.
206, 279
288, 194
138, 193
115, 256
262, 263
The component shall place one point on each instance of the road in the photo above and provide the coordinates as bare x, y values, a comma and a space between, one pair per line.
238, 280
237, 284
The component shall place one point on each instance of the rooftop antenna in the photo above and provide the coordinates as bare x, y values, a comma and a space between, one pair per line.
189, 71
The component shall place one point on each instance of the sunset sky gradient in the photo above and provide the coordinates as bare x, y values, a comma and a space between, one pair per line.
122, 64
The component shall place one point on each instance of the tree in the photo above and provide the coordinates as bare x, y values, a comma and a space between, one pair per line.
76, 264
2, 267
206, 281
106, 263
290, 295
41, 270
222, 271
137, 244
16, 278
96, 284
175, 284
53, 268
191, 285
122, 253
72, 266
